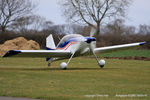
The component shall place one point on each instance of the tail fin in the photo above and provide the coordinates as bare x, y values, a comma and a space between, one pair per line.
50, 45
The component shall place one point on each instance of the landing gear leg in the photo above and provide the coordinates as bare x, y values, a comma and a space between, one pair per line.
99, 63
64, 65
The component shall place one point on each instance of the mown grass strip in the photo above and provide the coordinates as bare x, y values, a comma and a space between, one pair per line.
30, 77
127, 53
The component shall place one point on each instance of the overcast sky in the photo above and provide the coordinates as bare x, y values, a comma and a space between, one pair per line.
138, 13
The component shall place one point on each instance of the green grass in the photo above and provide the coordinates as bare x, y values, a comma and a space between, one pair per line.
29, 77
126, 53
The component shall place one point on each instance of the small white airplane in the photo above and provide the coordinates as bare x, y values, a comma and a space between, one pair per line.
72, 45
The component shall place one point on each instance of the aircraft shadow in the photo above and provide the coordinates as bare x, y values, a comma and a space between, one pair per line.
56, 69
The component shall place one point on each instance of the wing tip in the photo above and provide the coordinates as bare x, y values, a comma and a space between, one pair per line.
11, 53
142, 43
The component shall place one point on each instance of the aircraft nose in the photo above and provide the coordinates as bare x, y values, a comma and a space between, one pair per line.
90, 39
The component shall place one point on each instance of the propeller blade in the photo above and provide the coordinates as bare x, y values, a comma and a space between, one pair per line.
92, 46
93, 31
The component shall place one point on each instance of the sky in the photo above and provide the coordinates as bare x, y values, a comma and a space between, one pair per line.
138, 12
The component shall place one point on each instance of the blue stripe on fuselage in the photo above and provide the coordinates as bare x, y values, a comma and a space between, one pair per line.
87, 39
67, 42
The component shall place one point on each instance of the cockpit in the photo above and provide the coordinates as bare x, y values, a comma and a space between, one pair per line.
66, 39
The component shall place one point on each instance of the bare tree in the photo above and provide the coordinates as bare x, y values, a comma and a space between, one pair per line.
11, 10
22, 24
47, 25
144, 29
33, 22
94, 12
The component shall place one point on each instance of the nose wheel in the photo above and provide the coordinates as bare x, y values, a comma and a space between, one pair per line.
49, 64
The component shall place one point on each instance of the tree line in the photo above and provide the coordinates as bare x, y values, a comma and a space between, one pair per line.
17, 19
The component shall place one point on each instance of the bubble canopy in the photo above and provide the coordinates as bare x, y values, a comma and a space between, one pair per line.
68, 38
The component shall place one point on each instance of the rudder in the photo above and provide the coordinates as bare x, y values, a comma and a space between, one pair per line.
50, 44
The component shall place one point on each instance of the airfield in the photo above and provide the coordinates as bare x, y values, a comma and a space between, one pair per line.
83, 80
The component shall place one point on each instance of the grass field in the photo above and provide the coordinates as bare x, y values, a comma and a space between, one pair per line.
126, 53
83, 80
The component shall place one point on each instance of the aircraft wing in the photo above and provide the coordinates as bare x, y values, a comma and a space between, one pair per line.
37, 53
116, 47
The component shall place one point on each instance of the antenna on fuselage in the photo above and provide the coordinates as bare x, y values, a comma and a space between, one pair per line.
58, 37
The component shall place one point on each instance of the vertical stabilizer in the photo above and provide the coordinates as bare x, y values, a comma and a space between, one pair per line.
50, 43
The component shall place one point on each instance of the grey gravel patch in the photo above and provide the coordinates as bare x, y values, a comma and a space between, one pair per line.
14, 98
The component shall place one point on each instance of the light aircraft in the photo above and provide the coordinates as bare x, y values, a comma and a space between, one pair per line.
72, 45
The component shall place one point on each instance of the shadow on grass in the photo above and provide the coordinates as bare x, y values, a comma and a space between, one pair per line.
56, 69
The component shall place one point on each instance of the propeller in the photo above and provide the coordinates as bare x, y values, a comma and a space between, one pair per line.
93, 31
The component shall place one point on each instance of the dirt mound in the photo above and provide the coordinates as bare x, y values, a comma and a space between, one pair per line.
19, 43
30, 45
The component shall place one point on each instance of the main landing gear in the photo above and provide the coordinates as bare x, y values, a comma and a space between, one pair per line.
64, 65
